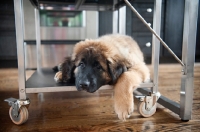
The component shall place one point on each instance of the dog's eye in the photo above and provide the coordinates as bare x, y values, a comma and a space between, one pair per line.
81, 64
98, 66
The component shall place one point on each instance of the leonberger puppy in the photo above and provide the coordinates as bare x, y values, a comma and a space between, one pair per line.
111, 59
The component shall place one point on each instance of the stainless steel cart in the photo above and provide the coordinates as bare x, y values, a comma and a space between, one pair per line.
147, 107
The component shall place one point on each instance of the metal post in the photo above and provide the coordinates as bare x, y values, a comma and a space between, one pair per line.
115, 21
19, 26
38, 40
188, 58
122, 20
156, 43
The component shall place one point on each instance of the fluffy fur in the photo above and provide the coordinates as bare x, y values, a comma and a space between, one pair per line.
112, 59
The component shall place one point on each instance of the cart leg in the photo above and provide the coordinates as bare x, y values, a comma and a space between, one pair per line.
19, 25
147, 107
115, 21
122, 20
156, 43
38, 39
188, 58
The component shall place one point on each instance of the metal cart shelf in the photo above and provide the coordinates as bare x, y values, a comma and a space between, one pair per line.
18, 110
35, 85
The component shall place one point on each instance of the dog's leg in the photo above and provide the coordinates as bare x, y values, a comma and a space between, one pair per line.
144, 71
66, 71
123, 96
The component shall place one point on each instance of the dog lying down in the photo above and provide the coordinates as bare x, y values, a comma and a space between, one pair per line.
111, 59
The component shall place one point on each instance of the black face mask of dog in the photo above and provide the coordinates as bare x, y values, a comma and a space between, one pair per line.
89, 73
93, 71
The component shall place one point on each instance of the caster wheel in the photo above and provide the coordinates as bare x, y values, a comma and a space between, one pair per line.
146, 113
22, 116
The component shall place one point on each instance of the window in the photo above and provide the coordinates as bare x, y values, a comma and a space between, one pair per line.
61, 18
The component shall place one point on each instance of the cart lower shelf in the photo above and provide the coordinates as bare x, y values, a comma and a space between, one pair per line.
43, 81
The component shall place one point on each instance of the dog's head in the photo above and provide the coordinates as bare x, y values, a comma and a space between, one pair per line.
93, 68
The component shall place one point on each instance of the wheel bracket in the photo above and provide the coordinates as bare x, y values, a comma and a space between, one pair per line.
16, 104
150, 100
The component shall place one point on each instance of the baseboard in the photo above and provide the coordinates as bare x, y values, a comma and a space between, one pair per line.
8, 64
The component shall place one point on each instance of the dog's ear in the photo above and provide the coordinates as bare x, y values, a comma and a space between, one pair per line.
67, 69
115, 69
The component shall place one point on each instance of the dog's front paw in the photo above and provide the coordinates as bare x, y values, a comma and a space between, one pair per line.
58, 77
124, 106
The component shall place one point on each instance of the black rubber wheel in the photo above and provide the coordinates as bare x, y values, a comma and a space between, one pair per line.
184, 120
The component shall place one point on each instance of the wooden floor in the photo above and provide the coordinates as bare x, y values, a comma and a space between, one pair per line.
81, 111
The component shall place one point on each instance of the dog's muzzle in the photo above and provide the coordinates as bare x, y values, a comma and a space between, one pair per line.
84, 85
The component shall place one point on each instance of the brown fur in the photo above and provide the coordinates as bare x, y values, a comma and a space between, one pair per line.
119, 51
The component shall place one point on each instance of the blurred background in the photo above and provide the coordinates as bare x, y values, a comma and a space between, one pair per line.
62, 28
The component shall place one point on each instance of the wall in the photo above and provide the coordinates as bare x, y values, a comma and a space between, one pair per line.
8, 48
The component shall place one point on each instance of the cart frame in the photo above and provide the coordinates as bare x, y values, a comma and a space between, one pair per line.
184, 109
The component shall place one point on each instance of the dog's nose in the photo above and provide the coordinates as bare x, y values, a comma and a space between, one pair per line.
84, 84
